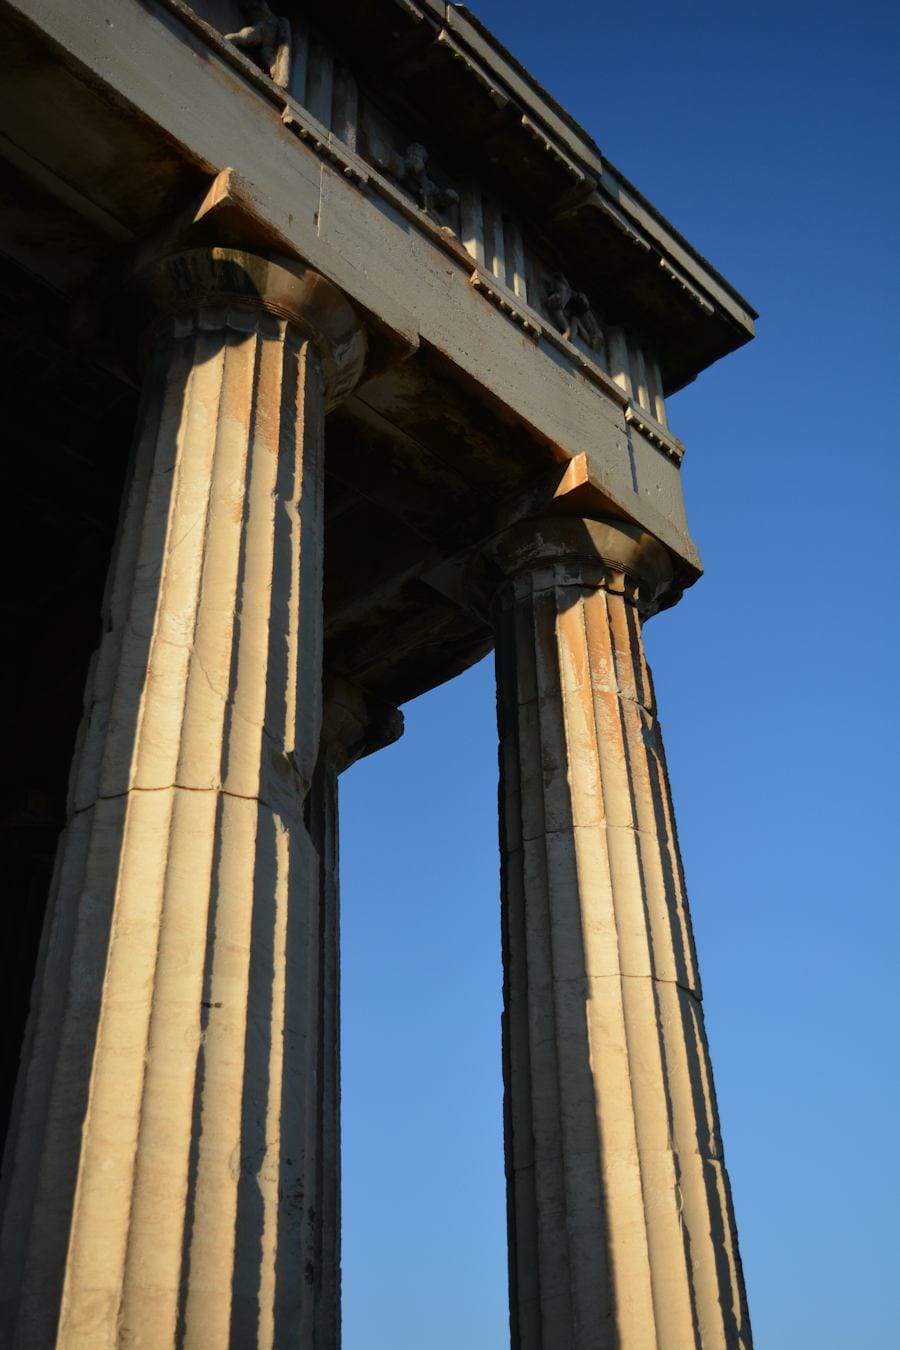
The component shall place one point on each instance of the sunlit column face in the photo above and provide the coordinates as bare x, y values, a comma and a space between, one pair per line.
621, 1228
169, 1179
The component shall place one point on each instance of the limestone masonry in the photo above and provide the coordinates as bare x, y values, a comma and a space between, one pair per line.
390, 342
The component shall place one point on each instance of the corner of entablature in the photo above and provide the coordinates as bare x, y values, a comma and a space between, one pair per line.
355, 723
219, 249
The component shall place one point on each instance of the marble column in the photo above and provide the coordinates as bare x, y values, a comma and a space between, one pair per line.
621, 1230
159, 1180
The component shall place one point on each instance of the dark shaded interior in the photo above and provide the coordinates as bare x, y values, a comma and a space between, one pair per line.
68, 430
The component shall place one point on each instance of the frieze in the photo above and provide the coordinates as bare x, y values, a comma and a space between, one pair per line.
414, 175
511, 271
525, 136
408, 164
571, 312
266, 38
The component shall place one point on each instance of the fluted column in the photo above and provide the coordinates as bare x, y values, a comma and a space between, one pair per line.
165, 1145
621, 1230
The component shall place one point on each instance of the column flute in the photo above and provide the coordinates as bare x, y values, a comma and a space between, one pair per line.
621, 1230
162, 1176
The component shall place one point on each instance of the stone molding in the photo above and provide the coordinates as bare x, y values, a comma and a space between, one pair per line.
586, 181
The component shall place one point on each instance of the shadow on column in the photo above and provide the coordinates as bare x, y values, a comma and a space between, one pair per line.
52, 1089
547, 1050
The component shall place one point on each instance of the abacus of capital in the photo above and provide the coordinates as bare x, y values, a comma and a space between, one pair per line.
391, 342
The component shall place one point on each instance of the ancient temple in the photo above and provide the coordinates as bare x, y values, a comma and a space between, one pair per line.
334, 354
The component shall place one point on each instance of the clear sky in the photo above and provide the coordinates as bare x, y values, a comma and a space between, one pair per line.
768, 134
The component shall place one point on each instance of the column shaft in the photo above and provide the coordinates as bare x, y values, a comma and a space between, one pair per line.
326, 1263
621, 1229
165, 1145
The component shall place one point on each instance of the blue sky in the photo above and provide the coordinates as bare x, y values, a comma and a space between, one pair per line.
768, 135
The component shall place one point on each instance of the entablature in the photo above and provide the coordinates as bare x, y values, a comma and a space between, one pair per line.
158, 69
516, 267
484, 121
497, 357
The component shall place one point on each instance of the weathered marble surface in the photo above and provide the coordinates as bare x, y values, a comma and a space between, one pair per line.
166, 1164
622, 1234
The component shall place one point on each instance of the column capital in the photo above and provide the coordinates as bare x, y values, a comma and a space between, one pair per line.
236, 281
586, 551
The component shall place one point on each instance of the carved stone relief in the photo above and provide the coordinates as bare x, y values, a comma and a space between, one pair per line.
302, 62
415, 176
571, 312
266, 38
409, 164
